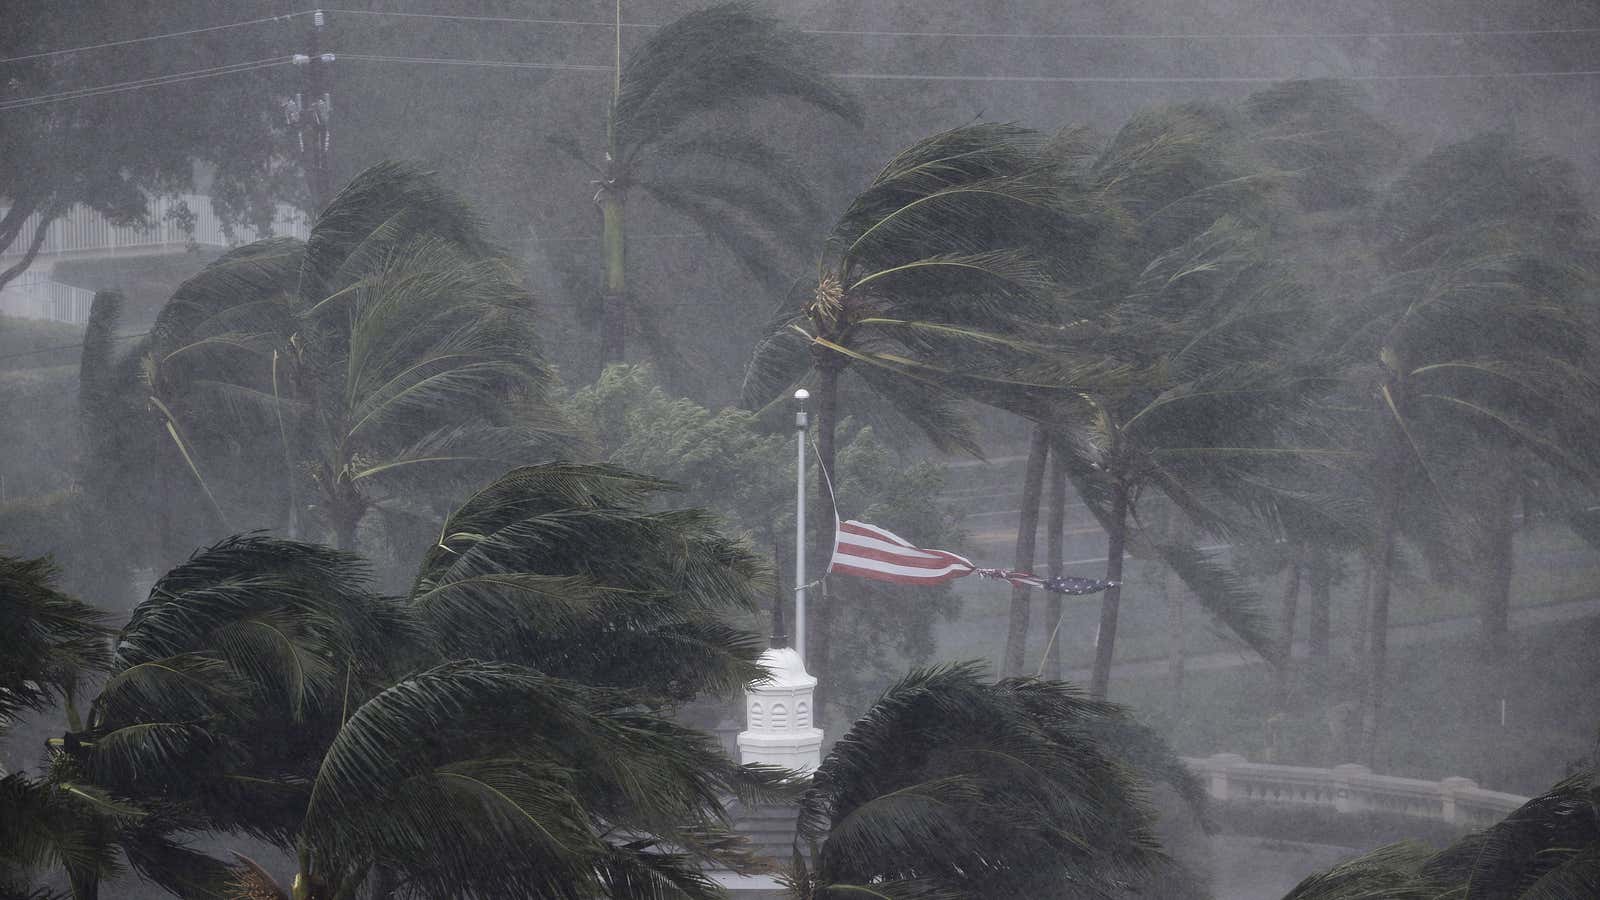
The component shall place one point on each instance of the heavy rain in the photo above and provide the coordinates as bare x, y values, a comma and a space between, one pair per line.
813, 449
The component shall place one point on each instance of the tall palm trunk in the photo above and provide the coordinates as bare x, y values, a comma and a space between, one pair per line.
1286, 621
1362, 645
1173, 590
819, 621
614, 299
1498, 561
1111, 600
1381, 578
1055, 553
1319, 629
1027, 537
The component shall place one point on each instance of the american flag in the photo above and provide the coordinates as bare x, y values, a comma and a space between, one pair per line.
879, 554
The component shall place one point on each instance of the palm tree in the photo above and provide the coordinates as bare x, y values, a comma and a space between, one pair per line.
951, 786
264, 689
48, 640
1549, 848
561, 567
390, 355
1475, 336
931, 273
710, 61
1199, 318
1188, 302
49, 644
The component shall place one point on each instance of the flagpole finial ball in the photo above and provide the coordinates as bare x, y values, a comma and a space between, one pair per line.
802, 395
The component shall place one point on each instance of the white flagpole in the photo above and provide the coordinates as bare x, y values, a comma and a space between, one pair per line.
800, 397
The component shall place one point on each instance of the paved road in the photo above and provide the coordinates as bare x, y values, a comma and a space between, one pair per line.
1399, 636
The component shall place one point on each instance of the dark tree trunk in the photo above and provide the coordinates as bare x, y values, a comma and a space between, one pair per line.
1055, 553
614, 292
36, 241
345, 524
1111, 600
1174, 590
819, 618
1291, 604
1361, 646
1382, 576
1319, 632
1498, 562
1027, 537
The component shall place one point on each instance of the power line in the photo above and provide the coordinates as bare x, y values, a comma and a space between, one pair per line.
153, 37
1038, 79
481, 63
153, 81
1197, 79
1018, 35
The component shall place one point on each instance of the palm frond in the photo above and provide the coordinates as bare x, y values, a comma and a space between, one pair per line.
1389, 872
1224, 594
49, 639
714, 58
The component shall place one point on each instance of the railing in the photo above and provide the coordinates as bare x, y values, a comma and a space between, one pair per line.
82, 230
37, 296
177, 222
1353, 788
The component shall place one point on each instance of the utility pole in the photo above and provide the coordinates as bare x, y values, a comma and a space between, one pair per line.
312, 111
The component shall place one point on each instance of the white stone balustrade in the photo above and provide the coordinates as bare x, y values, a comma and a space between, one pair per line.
1352, 788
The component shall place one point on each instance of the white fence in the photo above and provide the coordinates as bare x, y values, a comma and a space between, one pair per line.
85, 234
1353, 788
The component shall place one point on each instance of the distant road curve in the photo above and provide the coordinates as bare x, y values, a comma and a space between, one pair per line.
1399, 636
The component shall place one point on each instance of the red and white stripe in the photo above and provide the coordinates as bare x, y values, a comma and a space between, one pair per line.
868, 551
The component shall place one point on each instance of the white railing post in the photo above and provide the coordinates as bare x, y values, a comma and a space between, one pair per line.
1347, 797
1218, 765
1450, 790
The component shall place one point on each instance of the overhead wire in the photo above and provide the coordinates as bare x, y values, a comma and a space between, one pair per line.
1008, 35
136, 84
152, 37
482, 63
1046, 79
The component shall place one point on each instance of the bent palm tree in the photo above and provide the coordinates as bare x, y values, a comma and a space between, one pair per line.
1547, 849
950, 786
390, 355
263, 689
709, 61
1477, 335
932, 273
647, 604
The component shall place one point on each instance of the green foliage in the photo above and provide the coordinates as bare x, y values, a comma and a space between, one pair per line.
645, 607
385, 361
57, 154
504, 730
48, 640
1547, 849
950, 786
727, 463
720, 460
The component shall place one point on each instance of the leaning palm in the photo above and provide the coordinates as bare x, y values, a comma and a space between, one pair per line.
711, 61
930, 279
264, 689
953, 787
1547, 849
49, 641
1479, 334
390, 356
564, 568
